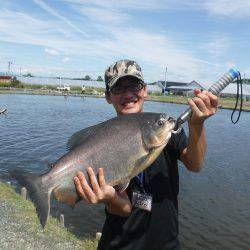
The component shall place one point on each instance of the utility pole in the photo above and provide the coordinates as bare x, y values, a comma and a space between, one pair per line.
20, 70
9, 63
165, 80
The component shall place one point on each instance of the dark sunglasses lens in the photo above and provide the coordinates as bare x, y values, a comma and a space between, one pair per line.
137, 87
117, 90
121, 89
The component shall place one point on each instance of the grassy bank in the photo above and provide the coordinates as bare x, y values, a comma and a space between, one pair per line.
227, 103
22, 213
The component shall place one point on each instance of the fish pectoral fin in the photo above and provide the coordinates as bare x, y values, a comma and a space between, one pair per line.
121, 187
66, 195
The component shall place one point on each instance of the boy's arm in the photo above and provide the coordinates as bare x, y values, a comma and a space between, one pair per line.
203, 106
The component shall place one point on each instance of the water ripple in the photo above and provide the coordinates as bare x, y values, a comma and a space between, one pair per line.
214, 204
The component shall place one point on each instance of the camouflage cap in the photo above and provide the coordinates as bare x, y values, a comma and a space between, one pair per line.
121, 69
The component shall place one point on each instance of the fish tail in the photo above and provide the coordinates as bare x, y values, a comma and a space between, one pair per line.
39, 192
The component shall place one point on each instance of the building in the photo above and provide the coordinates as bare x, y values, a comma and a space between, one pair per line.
231, 91
7, 79
154, 89
180, 88
187, 89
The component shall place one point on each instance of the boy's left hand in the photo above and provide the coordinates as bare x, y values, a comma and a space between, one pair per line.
203, 105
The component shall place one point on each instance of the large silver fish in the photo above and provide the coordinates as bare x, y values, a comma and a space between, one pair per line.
124, 146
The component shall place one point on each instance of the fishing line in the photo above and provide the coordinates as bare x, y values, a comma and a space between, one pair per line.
239, 95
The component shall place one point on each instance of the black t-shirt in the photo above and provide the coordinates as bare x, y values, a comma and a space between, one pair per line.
157, 229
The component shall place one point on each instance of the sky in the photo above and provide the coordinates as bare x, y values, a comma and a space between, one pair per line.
177, 40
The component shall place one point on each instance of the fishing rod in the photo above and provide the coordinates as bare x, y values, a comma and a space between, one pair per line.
232, 75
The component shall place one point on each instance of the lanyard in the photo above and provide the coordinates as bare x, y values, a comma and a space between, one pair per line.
141, 178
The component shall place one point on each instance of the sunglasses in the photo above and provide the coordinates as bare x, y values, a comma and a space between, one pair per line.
136, 87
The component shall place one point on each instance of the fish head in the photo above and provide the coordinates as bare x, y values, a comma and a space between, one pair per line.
156, 130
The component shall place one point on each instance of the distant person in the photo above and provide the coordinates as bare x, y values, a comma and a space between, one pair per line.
83, 89
133, 227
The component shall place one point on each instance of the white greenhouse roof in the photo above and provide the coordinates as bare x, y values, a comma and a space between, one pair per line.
232, 89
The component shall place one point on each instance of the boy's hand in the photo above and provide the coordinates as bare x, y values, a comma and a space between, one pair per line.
203, 105
97, 191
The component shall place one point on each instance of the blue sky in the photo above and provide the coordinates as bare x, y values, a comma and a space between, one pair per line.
195, 40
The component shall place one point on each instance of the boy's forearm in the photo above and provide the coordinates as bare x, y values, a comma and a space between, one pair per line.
194, 154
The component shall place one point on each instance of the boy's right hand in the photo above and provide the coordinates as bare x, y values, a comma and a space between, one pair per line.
98, 192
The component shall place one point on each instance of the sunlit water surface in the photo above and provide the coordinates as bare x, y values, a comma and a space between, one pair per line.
214, 204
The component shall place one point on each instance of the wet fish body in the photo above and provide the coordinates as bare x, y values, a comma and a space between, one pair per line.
123, 146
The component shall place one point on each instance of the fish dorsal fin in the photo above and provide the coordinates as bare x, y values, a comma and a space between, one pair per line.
79, 137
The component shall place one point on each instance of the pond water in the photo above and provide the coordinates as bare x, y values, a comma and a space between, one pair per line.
214, 204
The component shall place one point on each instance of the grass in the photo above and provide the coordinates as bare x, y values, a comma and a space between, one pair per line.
23, 212
227, 103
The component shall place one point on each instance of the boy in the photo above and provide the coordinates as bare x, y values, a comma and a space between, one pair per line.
127, 225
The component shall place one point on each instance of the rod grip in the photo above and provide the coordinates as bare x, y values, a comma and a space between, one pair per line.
216, 88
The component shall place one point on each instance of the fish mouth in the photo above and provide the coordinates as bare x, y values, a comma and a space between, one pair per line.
166, 138
177, 128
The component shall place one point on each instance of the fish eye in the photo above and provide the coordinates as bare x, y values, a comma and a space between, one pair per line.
160, 123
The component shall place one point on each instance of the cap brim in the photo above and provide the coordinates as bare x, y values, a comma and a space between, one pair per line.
116, 79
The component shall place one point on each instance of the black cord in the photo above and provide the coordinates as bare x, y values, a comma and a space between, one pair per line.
239, 86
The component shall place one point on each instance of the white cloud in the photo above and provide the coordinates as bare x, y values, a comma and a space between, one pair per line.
151, 49
100, 14
217, 46
234, 9
228, 8
65, 59
54, 13
52, 52
130, 4
25, 29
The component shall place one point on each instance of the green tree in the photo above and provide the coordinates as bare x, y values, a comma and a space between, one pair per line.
246, 81
99, 78
28, 75
87, 78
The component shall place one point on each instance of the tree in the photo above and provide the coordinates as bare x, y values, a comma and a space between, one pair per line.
99, 78
28, 75
87, 78
246, 81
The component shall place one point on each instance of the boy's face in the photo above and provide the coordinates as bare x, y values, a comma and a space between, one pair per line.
126, 96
